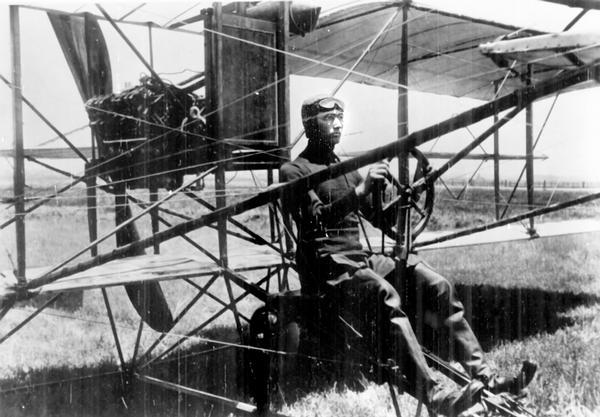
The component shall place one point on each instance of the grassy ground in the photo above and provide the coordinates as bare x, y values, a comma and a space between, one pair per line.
564, 340
568, 351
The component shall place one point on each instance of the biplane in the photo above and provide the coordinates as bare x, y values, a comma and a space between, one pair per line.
234, 115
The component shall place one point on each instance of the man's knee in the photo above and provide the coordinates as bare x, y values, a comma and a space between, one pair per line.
372, 285
428, 279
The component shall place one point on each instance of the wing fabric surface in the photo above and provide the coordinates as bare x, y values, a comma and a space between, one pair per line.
443, 50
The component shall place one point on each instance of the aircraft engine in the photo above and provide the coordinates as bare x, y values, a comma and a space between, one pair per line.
153, 132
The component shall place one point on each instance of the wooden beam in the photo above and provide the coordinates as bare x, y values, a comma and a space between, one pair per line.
66, 153
50, 167
92, 198
448, 155
92, 212
220, 183
403, 239
50, 153
19, 157
496, 159
529, 152
575, 20
403, 219
509, 220
436, 174
283, 81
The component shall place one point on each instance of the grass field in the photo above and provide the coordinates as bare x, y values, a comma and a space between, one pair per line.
563, 335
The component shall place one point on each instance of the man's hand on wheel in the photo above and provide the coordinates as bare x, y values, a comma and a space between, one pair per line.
379, 172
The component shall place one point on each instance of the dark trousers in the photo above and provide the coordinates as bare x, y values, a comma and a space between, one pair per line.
373, 310
433, 307
368, 309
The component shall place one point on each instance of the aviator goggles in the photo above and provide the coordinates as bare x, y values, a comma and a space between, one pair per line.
329, 103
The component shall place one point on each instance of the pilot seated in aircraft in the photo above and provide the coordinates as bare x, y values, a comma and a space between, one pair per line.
332, 262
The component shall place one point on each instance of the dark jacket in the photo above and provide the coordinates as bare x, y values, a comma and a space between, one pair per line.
326, 218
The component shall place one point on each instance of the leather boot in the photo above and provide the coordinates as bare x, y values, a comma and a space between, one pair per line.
513, 385
451, 402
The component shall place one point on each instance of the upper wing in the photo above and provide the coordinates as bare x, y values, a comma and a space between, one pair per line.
443, 50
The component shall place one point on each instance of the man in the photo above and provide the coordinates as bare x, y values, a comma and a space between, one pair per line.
331, 261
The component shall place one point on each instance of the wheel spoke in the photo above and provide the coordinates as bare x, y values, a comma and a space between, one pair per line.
418, 209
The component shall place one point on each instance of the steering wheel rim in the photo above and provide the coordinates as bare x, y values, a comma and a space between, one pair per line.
421, 198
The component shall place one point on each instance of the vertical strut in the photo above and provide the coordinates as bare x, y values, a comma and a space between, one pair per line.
150, 45
283, 82
19, 167
92, 199
529, 153
154, 218
394, 400
283, 119
272, 222
92, 205
153, 187
113, 327
138, 338
180, 315
403, 175
496, 159
282, 276
217, 129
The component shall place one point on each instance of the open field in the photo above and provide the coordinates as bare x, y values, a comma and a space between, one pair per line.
555, 284
64, 220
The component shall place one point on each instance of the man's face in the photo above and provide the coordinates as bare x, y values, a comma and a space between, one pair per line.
329, 126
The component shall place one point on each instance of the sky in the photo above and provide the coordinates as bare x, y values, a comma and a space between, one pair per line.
570, 138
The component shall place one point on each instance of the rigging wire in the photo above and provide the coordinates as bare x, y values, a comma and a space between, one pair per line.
160, 135
37, 194
356, 73
311, 65
317, 62
130, 12
158, 158
472, 203
180, 14
533, 148
57, 382
55, 138
178, 357
320, 62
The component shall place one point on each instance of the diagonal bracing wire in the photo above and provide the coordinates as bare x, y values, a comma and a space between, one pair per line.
359, 74
351, 71
46, 121
130, 220
516, 186
132, 11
